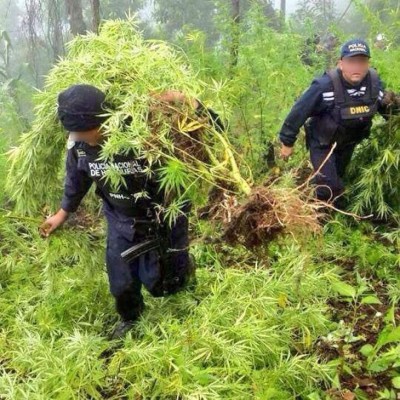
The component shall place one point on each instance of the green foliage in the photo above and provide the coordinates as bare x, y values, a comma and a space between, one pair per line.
381, 17
243, 333
260, 89
3, 165
12, 119
266, 82
386, 359
384, 355
250, 330
246, 332
6, 48
14, 91
172, 16
111, 9
367, 251
376, 173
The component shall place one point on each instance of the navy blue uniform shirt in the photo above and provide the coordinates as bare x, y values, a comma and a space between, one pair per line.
83, 167
318, 99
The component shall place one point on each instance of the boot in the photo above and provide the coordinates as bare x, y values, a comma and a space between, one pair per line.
122, 328
129, 306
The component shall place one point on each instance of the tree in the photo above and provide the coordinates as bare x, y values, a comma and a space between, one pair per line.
239, 8
320, 14
173, 15
75, 17
5, 47
111, 9
95, 6
235, 32
55, 28
283, 9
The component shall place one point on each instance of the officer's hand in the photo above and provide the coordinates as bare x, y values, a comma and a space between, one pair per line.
286, 151
174, 97
52, 223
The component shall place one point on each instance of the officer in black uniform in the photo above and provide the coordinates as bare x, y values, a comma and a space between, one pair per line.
338, 108
130, 217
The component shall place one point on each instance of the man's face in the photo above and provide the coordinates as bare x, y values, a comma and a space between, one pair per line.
355, 68
93, 137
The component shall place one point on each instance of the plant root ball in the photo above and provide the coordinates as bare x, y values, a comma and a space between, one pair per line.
391, 98
267, 213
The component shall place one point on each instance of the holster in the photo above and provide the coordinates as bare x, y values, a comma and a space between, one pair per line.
155, 237
326, 129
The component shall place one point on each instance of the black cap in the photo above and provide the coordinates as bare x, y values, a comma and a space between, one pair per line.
355, 47
81, 108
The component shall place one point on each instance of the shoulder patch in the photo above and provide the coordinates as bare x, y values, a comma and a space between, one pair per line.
328, 97
80, 153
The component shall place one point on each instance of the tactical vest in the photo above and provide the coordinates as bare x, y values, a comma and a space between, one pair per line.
350, 119
125, 198
353, 111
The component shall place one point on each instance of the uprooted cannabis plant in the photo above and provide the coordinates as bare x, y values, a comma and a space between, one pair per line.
376, 172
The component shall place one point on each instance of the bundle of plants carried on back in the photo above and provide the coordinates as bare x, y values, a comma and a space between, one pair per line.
187, 152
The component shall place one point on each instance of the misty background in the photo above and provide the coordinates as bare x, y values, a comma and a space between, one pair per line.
34, 33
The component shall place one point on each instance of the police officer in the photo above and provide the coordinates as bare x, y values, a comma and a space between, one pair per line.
81, 110
338, 108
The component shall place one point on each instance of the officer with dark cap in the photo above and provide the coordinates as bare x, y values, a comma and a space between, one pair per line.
338, 108
82, 111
